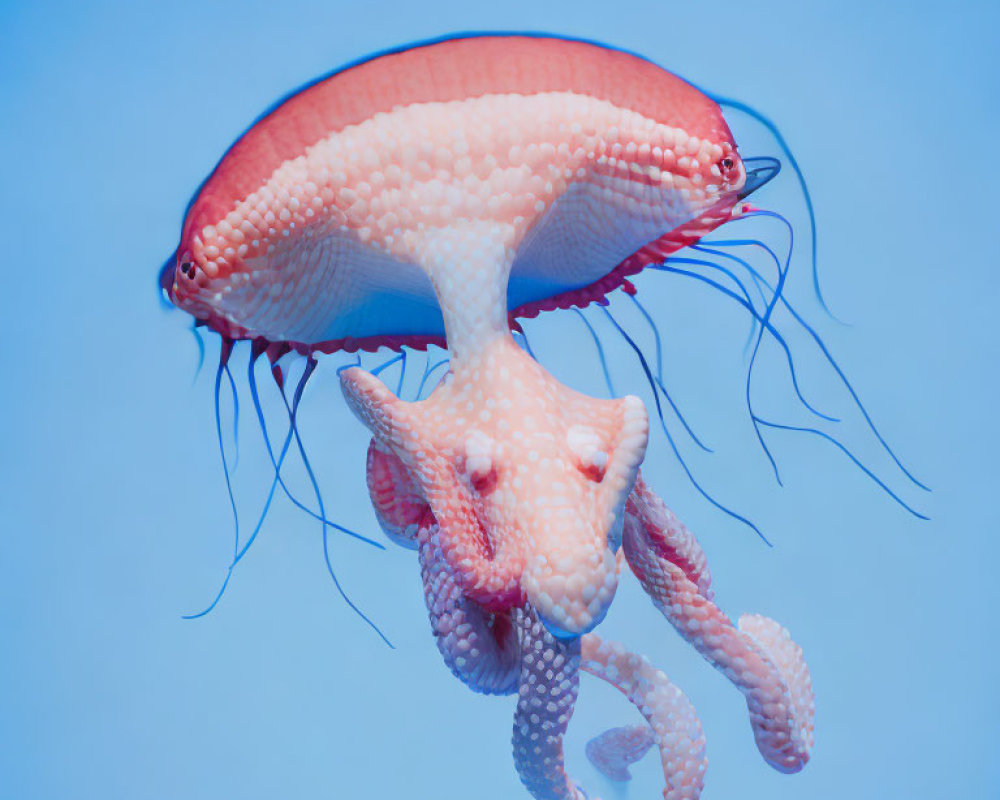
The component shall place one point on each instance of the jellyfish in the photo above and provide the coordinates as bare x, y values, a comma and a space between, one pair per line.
436, 195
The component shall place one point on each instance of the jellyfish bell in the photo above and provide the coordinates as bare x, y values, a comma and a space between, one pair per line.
335, 221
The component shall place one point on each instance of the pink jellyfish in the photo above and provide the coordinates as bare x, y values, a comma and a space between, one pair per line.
433, 195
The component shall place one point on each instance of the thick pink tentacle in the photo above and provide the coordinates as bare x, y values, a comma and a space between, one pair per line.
669, 537
763, 662
672, 723
775, 641
480, 648
397, 501
614, 750
489, 569
550, 682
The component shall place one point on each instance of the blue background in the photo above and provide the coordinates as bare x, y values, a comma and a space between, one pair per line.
113, 510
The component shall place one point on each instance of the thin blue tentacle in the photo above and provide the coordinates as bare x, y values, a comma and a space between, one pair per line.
773, 128
656, 335
732, 276
274, 463
850, 455
292, 412
753, 276
753, 356
386, 364
224, 357
270, 497
236, 418
428, 373
670, 439
526, 344
726, 291
402, 374
356, 363
423, 373
200, 341
600, 352
770, 329
658, 385
830, 360
253, 536
756, 282
765, 319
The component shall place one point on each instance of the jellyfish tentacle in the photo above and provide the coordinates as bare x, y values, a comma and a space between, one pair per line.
481, 649
670, 439
488, 567
276, 463
522, 339
399, 506
659, 382
236, 416
828, 437
818, 340
668, 536
762, 662
547, 692
600, 352
775, 642
292, 409
427, 374
856, 461
613, 751
775, 131
224, 355
671, 722
755, 315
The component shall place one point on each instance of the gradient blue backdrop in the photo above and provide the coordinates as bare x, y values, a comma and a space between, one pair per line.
112, 507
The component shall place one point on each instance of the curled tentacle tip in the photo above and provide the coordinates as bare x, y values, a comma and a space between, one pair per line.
613, 751
785, 741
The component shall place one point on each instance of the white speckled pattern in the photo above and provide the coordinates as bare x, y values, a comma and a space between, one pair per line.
613, 751
476, 635
671, 722
480, 648
759, 656
341, 240
546, 695
525, 511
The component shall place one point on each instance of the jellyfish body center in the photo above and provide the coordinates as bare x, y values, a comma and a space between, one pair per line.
525, 478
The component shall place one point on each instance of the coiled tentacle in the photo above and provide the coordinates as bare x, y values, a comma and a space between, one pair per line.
671, 722
758, 655
613, 751
481, 649
669, 538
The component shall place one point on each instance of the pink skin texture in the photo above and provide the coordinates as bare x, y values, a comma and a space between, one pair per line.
434, 195
499, 634
612, 751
